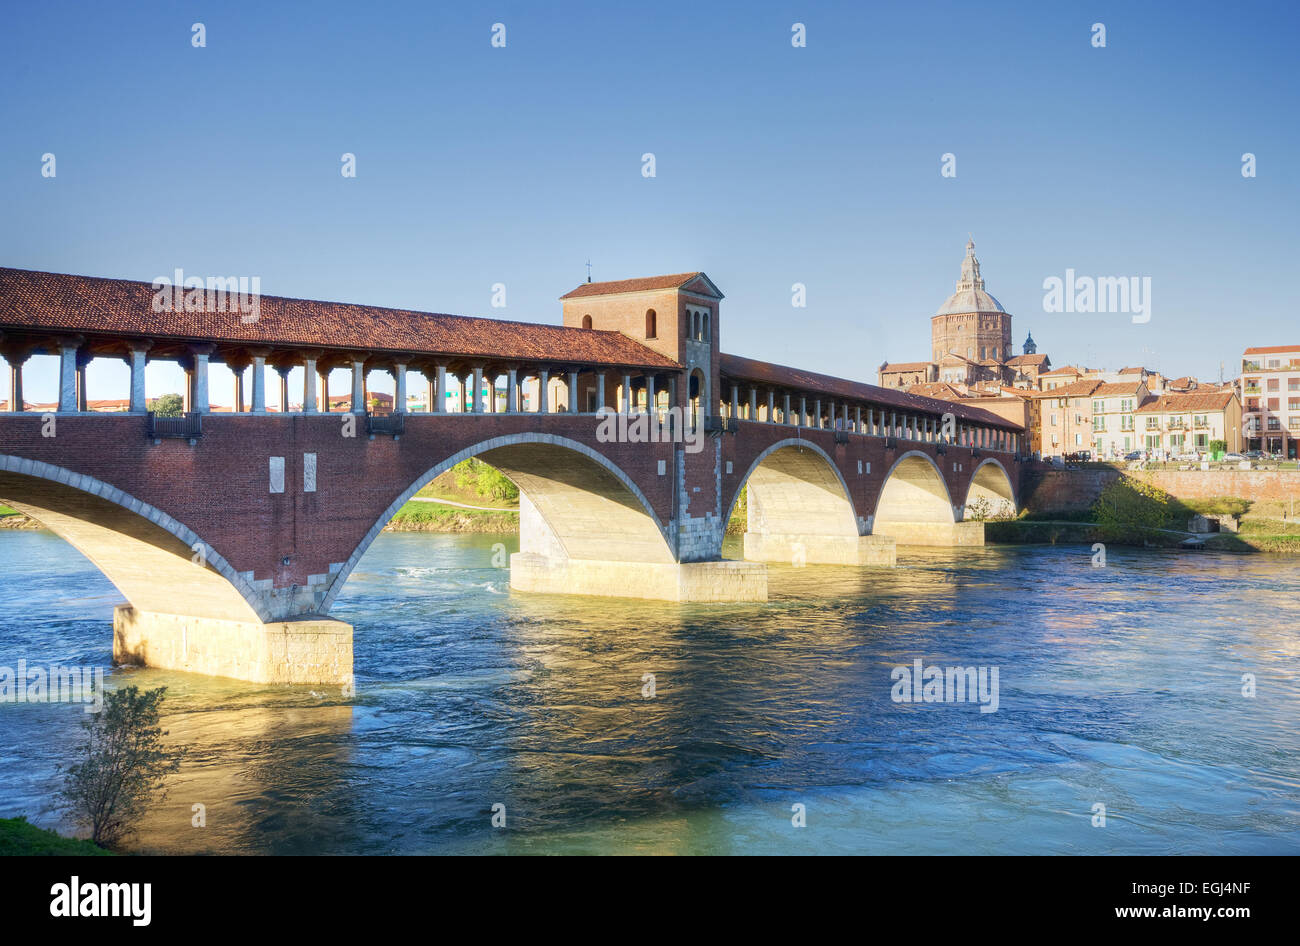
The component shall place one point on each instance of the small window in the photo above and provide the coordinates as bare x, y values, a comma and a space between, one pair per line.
650, 324
704, 336
586, 321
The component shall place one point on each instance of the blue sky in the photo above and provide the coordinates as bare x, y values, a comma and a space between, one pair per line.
775, 165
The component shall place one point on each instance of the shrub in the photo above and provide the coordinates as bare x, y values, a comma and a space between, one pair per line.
124, 767
1128, 502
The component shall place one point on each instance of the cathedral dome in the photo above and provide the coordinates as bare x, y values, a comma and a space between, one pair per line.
970, 295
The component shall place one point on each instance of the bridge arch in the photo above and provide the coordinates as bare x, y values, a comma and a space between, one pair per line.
795, 488
574, 503
147, 554
914, 491
993, 484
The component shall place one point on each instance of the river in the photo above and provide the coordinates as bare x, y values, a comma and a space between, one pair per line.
1118, 686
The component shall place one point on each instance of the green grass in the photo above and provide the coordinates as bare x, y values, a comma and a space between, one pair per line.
17, 837
8, 511
431, 517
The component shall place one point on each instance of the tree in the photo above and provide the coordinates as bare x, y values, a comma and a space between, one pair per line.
124, 767
169, 405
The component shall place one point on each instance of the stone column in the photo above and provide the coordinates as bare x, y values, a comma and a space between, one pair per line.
358, 386
324, 381
399, 388
857, 419
15, 361
735, 402
771, 406
573, 392
650, 395
803, 412
68, 373
543, 391
512, 391
785, 411
440, 395
309, 384
476, 395
627, 394
136, 359
83, 401
600, 390
259, 382
199, 403
283, 372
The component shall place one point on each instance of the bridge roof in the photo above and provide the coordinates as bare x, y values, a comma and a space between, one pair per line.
735, 366
40, 302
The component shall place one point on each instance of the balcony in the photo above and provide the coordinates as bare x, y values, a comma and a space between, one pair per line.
389, 425
188, 426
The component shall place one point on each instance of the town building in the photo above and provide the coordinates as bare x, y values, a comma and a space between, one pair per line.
1270, 389
1064, 420
1114, 407
1173, 424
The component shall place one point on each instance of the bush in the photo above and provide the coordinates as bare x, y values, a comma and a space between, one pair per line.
1127, 503
484, 479
124, 768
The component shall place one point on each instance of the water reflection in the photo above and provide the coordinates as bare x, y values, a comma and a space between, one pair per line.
1120, 685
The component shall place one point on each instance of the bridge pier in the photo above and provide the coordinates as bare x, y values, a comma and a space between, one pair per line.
660, 581
309, 650
945, 534
810, 549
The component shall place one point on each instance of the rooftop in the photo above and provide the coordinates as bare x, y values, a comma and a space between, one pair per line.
92, 305
750, 369
646, 284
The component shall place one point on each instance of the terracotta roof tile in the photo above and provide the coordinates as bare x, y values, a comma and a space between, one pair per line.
1272, 349
93, 305
646, 284
1215, 401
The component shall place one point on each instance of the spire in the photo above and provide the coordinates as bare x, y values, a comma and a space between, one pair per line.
1030, 347
970, 270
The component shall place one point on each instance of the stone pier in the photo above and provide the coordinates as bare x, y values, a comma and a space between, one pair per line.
933, 533
663, 581
809, 549
309, 650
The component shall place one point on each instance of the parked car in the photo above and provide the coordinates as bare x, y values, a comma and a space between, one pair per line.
1233, 457
1255, 455
1135, 455
1191, 456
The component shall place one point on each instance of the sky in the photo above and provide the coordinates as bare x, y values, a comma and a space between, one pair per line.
774, 164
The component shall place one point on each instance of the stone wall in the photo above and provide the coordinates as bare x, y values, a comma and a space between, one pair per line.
1077, 490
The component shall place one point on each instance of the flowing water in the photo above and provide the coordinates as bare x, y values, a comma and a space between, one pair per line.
1119, 686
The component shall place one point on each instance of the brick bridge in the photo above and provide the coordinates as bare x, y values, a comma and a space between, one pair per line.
629, 435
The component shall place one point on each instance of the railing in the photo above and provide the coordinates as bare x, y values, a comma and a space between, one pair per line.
188, 426
391, 425
716, 424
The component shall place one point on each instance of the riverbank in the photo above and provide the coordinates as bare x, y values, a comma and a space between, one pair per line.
1255, 536
436, 517
18, 838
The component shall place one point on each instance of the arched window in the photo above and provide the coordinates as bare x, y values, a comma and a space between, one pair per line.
704, 335
650, 324
586, 321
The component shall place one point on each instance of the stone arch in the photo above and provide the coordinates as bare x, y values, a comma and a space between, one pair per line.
145, 553
914, 490
794, 487
574, 503
992, 483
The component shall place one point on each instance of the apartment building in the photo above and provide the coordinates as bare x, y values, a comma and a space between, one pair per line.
1114, 421
1180, 423
1270, 390
1064, 419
